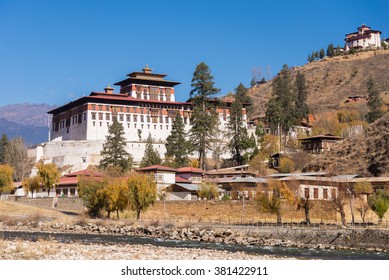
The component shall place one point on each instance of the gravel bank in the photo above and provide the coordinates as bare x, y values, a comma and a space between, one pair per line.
53, 250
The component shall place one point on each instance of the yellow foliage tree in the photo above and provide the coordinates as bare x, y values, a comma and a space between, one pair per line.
286, 165
116, 196
208, 191
6, 181
142, 192
269, 198
49, 175
32, 184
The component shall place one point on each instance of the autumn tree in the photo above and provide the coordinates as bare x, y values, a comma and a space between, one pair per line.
204, 116
286, 165
15, 154
6, 181
208, 191
49, 175
115, 195
269, 199
177, 145
374, 102
142, 192
92, 191
114, 152
32, 184
151, 156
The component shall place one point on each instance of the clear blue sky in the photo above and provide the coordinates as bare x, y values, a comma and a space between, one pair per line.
56, 51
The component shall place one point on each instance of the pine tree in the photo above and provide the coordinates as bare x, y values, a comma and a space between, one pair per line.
280, 108
237, 132
330, 50
204, 117
302, 110
321, 53
114, 152
253, 82
177, 147
151, 156
374, 103
3, 144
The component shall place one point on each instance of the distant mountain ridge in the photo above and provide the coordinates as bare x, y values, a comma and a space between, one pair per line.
29, 121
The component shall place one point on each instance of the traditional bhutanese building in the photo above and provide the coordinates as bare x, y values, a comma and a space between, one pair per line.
364, 38
145, 105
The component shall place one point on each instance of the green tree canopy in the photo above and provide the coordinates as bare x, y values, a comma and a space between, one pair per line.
151, 156
280, 108
374, 103
204, 117
92, 191
114, 152
301, 111
3, 144
177, 146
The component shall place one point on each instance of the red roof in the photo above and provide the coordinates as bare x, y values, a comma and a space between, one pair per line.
190, 170
85, 172
68, 181
182, 180
156, 168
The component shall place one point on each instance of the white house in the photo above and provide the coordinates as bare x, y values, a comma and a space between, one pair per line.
364, 38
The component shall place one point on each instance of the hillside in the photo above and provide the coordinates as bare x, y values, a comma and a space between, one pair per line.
331, 80
366, 154
28, 121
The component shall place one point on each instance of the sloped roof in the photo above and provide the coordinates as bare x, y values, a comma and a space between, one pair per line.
190, 170
156, 168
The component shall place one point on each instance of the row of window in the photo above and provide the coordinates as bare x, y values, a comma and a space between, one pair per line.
143, 108
136, 126
134, 118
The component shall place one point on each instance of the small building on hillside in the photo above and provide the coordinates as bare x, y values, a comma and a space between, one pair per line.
319, 143
364, 38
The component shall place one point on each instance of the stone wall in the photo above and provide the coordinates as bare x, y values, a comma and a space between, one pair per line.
64, 203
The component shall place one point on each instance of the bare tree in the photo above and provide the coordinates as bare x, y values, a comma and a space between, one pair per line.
15, 154
256, 73
339, 201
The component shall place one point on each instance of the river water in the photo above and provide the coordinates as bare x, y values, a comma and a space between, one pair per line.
303, 253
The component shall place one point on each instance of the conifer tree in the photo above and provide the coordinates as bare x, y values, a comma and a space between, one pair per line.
321, 53
237, 132
177, 147
330, 50
280, 108
204, 117
374, 103
114, 152
301, 110
253, 82
3, 144
151, 156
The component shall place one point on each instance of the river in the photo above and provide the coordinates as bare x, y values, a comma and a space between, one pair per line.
291, 252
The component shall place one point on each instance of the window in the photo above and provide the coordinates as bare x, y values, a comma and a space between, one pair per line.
128, 117
167, 119
316, 193
306, 192
107, 116
325, 193
100, 107
142, 118
121, 118
93, 107
135, 118
100, 116
160, 119
93, 116
148, 119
